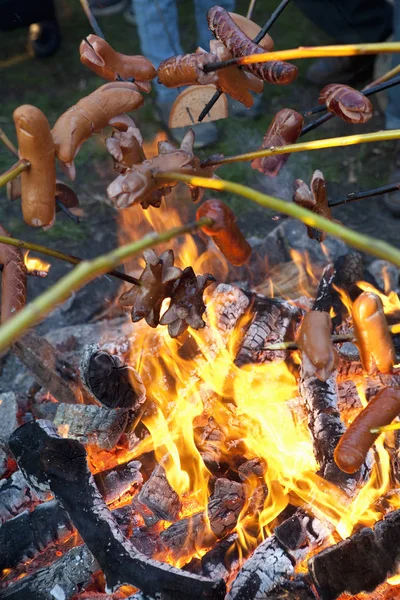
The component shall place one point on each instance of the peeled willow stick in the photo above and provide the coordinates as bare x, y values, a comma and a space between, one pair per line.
307, 52
14, 171
8, 143
347, 140
73, 260
86, 271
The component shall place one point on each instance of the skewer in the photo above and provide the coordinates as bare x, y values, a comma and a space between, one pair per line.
263, 32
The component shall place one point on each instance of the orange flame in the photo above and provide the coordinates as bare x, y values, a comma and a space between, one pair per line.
35, 264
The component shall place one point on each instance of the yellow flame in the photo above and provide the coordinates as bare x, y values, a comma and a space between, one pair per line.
35, 264
390, 301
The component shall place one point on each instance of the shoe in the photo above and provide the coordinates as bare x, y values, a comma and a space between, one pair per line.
392, 200
238, 110
338, 69
206, 134
129, 16
44, 39
105, 8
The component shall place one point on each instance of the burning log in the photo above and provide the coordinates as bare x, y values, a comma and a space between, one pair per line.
370, 556
15, 496
217, 562
271, 322
159, 497
64, 468
228, 303
112, 383
29, 533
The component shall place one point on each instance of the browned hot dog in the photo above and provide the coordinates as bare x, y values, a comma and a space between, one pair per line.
225, 233
101, 58
38, 183
285, 129
346, 103
224, 28
372, 334
186, 69
354, 444
90, 115
314, 340
13, 279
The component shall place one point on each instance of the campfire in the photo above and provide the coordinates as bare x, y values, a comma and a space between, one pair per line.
229, 427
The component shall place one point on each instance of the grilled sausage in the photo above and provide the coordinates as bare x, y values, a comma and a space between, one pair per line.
100, 57
38, 183
285, 129
90, 115
315, 199
224, 232
186, 69
224, 28
372, 334
354, 444
13, 279
346, 103
314, 340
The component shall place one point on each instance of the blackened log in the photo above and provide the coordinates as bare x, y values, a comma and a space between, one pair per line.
269, 566
271, 322
93, 425
186, 536
112, 383
323, 297
63, 579
15, 496
66, 472
159, 497
50, 368
217, 562
115, 482
359, 563
298, 588
225, 505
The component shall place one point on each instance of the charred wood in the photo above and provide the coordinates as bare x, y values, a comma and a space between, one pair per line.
159, 497
8, 415
217, 562
225, 505
66, 472
271, 321
323, 298
228, 304
15, 496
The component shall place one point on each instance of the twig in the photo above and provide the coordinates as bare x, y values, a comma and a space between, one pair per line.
353, 196
262, 33
347, 140
85, 272
74, 218
385, 77
91, 18
73, 260
7, 142
316, 123
358, 240
250, 9
14, 171
307, 52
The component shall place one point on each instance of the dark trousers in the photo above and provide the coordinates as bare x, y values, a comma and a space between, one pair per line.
22, 13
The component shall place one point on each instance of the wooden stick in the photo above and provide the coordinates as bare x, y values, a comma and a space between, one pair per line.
353, 238
353, 196
307, 52
14, 171
348, 140
86, 271
385, 77
8, 143
250, 9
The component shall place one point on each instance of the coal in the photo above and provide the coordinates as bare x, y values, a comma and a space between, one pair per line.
8, 415
15, 496
159, 497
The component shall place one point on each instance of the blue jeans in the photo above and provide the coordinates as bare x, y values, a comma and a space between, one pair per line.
393, 109
158, 29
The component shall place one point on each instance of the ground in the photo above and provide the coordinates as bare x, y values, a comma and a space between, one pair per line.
56, 83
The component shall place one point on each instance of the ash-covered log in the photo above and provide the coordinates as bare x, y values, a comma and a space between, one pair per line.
159, 497
8, 415
65, 470
228, 303
50, 369
112, 383
271, 321
217, 562
359, 563
15, 496
63, 579
28, 534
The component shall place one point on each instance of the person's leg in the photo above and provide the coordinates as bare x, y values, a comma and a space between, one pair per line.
201, 8
393, 109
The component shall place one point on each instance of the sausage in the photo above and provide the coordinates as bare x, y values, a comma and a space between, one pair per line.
90, 115
284, 129
251, 29
100, 57
315, 199
346, 103
224, 28
13, 279
186, 69
224, 232
126, 144
38, 183
372, 334
314, 340
354, 444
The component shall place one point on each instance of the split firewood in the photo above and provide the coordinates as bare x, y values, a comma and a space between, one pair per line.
138, 184
89, 116
224, 29
285, 128
100, 57
126, 144
318, 354
61, 466
372, 333
315, 199
38, 182
158, 495
224, 232
346, 103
